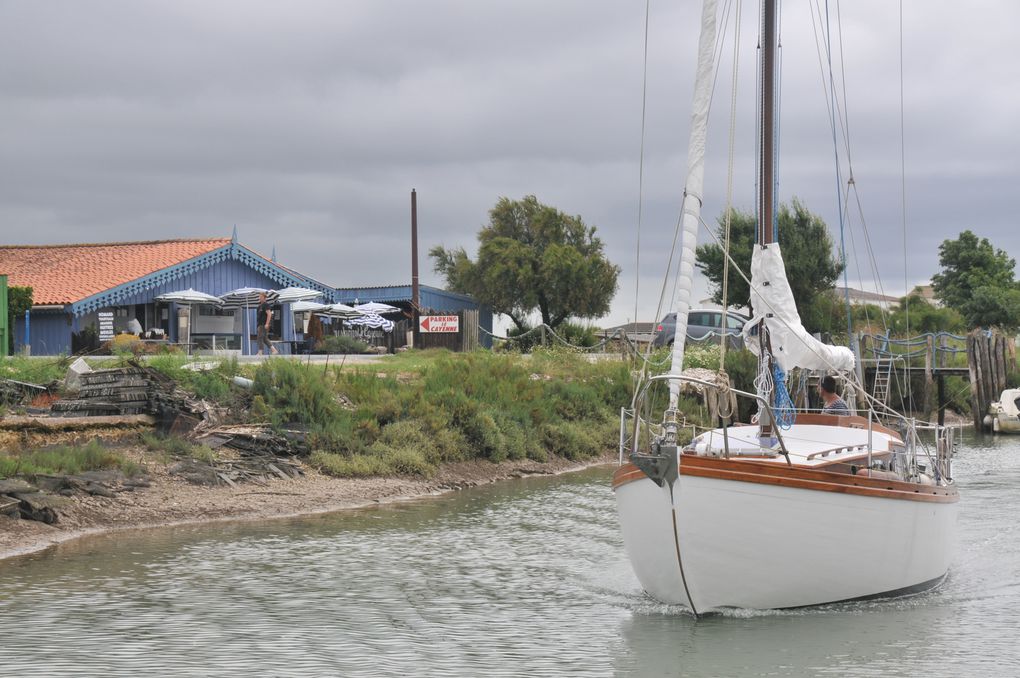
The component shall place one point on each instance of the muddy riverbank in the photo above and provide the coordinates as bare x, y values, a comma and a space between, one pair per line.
171, 500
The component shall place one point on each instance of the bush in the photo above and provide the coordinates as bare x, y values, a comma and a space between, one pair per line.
295, 392
341, 344
575, 334
457, 406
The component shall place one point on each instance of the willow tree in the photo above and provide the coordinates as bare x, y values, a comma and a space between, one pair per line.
533, 257
811, 264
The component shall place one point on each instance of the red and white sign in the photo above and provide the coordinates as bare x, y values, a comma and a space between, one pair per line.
439, 323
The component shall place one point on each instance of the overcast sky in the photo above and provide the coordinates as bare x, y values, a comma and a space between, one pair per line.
307, 123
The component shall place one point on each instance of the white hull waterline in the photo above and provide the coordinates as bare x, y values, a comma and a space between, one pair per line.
767, 543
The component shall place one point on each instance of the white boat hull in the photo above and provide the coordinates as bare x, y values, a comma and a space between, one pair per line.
764, 546
1005, 414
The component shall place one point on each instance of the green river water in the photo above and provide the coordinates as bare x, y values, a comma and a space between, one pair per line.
525, 578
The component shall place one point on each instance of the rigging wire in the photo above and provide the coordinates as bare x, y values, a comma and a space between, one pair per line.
641, 165
903, 196
728, 218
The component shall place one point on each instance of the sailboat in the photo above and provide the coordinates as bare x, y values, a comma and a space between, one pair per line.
797, 509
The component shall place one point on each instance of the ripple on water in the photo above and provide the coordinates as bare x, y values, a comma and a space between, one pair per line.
524, 578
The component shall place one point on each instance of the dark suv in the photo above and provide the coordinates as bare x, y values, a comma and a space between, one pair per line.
700, 323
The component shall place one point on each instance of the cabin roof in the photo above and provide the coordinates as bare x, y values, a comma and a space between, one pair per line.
64, 274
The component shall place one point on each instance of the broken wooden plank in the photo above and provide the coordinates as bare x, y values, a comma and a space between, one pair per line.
275, 469
226, 479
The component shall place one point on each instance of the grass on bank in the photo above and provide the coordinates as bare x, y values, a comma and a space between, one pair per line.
65, 459
413, 414
34, 370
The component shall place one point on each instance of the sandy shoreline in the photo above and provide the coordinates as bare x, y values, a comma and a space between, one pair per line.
170, 501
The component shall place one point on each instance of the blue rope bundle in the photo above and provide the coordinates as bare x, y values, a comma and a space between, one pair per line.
784, 410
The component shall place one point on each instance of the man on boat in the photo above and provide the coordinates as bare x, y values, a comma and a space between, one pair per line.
832, 403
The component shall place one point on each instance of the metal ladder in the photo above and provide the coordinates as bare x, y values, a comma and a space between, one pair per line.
883, 375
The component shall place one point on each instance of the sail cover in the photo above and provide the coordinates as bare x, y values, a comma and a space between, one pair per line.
772, 301
694, 188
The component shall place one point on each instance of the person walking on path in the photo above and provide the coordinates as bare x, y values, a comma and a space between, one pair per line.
263, 317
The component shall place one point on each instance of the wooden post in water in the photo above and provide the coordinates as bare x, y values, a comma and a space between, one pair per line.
929, 364
941, 382
987, 358
975, 391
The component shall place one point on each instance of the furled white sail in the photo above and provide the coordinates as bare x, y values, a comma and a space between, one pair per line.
694, 188
772, 301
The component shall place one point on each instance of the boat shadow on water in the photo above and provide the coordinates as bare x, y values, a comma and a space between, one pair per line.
873, 637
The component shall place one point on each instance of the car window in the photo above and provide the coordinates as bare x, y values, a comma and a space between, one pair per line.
714, 319
698, 318
734, 323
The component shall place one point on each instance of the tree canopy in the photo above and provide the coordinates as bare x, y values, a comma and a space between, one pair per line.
977, 280
533, 257
811, 265
19, 300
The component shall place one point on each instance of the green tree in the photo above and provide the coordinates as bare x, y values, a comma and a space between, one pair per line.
923, 317
533, 257
977, 280
811, 266
19, 300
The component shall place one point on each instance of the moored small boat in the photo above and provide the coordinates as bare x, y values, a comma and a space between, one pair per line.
1004, 415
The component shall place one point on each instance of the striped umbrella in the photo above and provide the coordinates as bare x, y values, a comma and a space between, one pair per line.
373, 321
342, 311
246, 297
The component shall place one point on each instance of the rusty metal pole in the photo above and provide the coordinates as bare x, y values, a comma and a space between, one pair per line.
414, 268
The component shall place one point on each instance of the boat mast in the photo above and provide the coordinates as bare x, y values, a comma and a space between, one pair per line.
767, 228
693, 191
767, 127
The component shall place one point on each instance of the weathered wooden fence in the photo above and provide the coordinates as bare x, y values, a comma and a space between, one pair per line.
990, 357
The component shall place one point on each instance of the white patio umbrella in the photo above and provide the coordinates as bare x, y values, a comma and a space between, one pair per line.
190, 296
289, 295
376, 307
313, 306
246, 297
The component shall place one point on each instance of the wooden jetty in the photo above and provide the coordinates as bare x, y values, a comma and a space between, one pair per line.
991, 358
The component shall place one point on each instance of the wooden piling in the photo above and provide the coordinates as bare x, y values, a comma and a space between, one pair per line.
975, 391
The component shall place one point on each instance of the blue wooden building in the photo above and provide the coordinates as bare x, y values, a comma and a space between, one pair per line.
74, 284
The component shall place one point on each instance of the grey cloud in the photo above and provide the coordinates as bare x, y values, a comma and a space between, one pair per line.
307, 124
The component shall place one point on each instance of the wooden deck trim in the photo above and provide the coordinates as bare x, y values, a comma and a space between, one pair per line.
851, 421
798, 477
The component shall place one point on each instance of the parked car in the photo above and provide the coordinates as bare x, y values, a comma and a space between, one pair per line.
702, 323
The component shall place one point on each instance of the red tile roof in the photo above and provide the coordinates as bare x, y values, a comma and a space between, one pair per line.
64, 274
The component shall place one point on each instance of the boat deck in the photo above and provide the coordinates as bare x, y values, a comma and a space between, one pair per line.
823, 440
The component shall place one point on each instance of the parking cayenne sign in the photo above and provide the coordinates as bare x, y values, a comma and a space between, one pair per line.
439, 323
